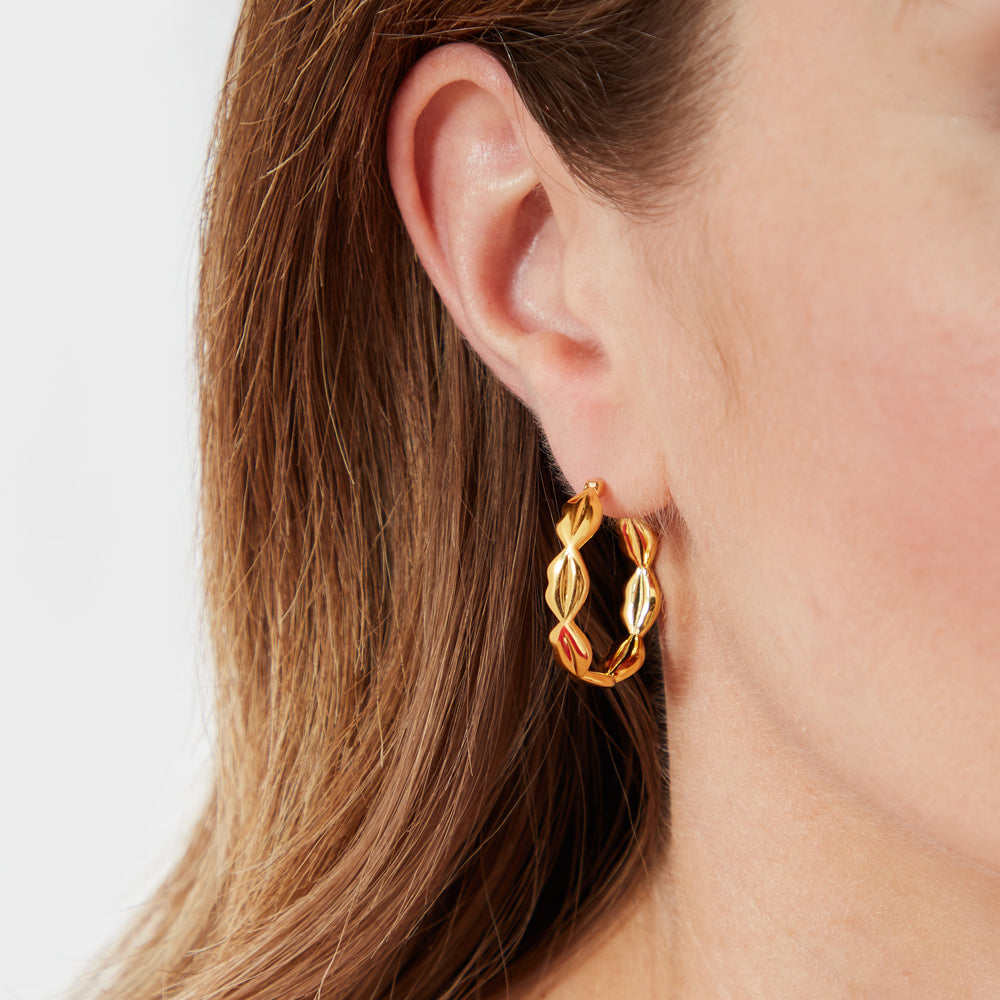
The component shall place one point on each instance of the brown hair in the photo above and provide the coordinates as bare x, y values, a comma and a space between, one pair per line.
410, 798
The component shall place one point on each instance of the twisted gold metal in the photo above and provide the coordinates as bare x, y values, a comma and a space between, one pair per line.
569, 584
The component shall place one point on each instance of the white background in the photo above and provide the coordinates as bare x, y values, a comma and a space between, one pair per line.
104, 755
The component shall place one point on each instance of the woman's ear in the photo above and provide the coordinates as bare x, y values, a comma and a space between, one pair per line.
474, 178
511, 241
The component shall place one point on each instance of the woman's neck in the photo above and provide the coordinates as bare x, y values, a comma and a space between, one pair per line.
778, 884
781, 884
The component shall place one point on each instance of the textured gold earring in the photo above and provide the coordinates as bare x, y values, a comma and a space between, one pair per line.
569, 584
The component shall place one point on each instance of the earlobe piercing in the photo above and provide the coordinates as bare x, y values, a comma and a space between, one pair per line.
569, 584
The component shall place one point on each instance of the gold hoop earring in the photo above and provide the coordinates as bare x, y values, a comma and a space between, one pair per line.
569, 584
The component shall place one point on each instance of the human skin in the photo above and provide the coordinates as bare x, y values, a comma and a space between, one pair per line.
802, 355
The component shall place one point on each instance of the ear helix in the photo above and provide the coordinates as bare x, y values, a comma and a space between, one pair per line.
569, 584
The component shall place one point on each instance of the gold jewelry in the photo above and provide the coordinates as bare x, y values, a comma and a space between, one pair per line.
569, 584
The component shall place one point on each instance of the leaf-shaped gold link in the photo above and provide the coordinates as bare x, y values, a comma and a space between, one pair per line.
642, 601
569, 584
601, 679
638, 541
627, 658
573, 648
581, 517
572, 584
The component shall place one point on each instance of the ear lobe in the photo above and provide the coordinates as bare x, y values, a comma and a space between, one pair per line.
471, 173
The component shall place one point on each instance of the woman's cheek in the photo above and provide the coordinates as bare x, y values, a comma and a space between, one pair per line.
854, 558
